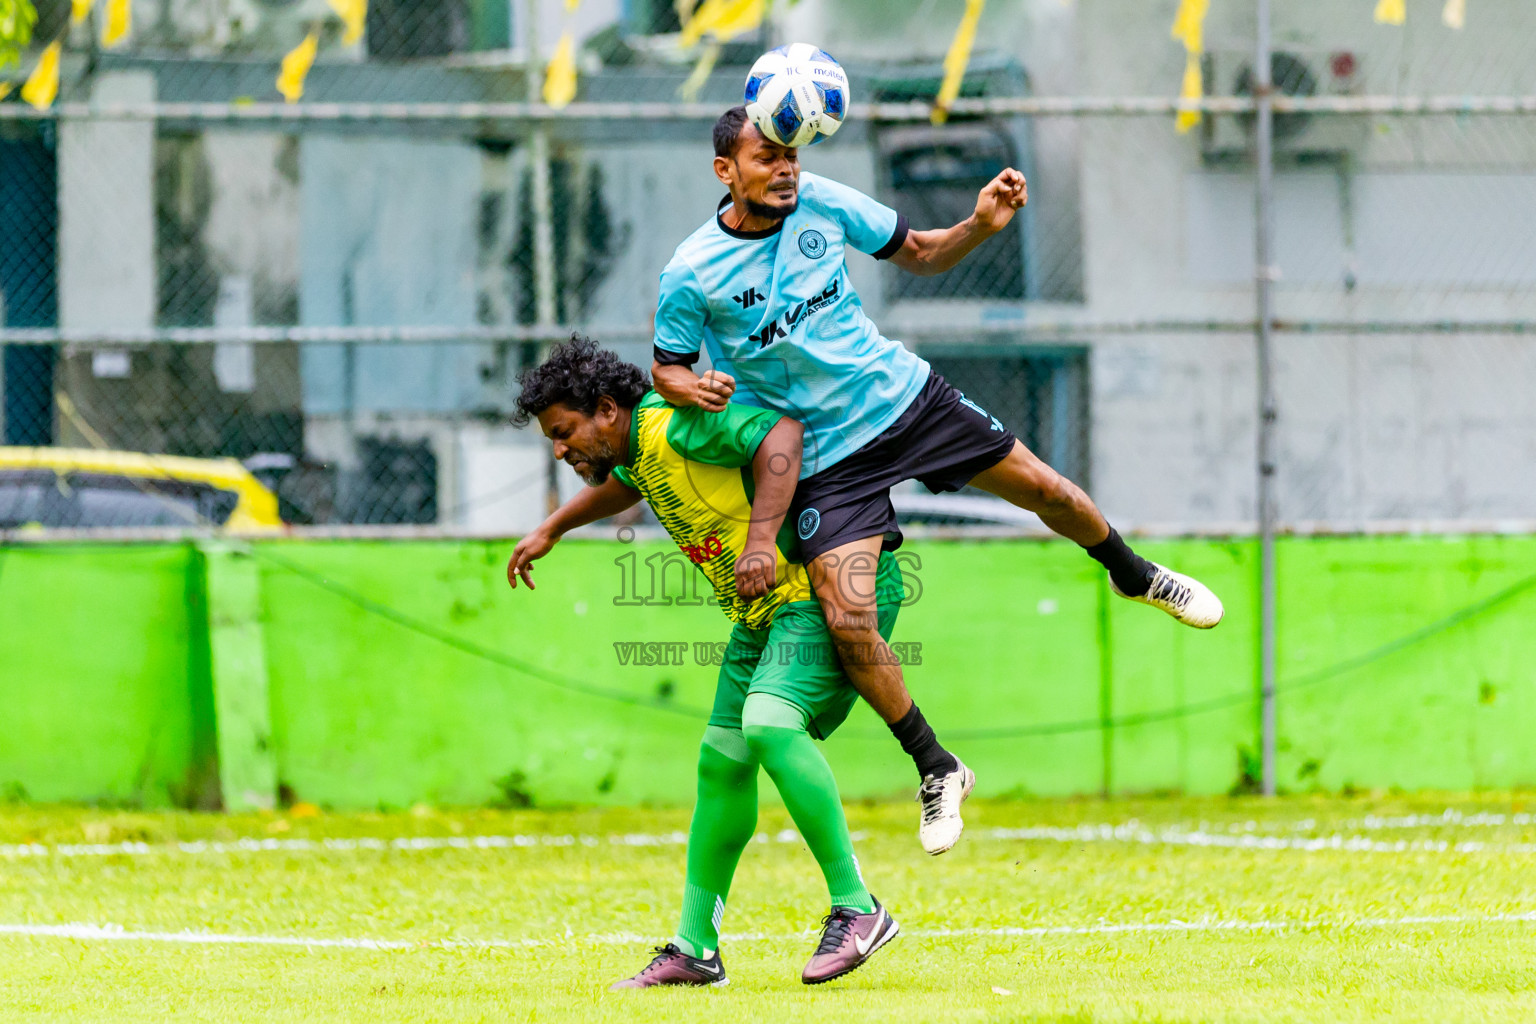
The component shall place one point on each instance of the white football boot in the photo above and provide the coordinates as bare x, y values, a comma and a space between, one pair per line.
941, 797
1183, 597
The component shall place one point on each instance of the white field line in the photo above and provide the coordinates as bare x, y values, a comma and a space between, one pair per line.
1134, 832
1448, 818
1236, 835
404, 843
1131, 832
116, 933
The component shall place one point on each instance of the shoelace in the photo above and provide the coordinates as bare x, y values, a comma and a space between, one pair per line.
1169, 589
836, 926
931, 793
663, 954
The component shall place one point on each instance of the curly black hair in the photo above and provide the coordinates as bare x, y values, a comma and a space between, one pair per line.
577, 373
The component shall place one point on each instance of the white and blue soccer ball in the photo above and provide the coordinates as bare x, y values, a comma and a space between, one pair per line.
797, 95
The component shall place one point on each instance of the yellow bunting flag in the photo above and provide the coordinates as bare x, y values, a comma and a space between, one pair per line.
79, 10
690, 89
1189, 24
1189, 29
1192, 88
296, 65
354, 15
1391, 12
571, 5
560, 76
119, 22
42, 86
5, 89
956, 61
1455, 14
719, 20
723, 19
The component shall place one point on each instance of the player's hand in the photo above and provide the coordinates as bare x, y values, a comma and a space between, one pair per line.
755, 573
714, 391
535, 545
1002, 197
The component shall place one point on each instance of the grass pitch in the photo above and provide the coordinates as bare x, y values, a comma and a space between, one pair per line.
1192, 910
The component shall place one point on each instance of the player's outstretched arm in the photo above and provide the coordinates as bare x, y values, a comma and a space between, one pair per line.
926, 253
608, 498
679, 385
775, 472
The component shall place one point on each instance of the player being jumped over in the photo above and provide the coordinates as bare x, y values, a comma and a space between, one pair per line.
721, 484
764, 284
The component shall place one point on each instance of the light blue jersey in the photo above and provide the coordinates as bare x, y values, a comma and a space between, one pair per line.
775, 310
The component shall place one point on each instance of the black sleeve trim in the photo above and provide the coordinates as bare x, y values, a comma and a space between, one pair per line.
666, 358
898, 237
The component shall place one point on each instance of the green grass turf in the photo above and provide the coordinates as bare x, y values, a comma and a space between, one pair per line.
1322, 968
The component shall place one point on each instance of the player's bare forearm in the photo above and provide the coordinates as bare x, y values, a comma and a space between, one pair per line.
775, 472
679, 385
591, 504
933, 252
926, 253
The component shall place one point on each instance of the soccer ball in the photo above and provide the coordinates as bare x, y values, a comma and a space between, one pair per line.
797, 95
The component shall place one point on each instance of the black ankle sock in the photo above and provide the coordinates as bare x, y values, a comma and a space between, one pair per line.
917, 739
1131, 573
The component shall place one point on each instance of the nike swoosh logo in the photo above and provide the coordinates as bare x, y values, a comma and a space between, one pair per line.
708, 969
863, 944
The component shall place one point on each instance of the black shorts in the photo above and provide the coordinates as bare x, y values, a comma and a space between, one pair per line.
942, 440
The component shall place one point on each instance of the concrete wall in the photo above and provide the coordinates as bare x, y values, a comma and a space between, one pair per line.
403, 672
106, 259
1431, 220
1436, 226
105, 677
387, 236
106, 213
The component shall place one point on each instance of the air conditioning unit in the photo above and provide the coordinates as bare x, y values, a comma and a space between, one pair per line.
408, 29
1226, 138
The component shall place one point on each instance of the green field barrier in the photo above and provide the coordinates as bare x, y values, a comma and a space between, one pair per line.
392, 673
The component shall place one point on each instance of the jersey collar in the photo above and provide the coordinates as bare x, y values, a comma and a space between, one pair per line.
734, 233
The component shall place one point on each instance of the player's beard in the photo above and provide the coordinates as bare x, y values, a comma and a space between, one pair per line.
768, 212
600, 462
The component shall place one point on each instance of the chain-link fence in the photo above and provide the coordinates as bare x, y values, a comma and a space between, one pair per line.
340, 291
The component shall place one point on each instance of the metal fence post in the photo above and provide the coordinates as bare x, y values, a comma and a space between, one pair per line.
545, 308
543, 230
1264, 278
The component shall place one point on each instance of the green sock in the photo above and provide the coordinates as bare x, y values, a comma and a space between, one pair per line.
724, 820
775, 731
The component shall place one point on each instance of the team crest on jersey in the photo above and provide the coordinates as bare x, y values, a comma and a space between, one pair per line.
810, 522
813, 244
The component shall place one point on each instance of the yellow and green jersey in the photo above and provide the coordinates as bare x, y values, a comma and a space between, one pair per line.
694, 468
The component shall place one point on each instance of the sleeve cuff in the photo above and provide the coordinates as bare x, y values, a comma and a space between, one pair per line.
668, 358
898, 236
762, 430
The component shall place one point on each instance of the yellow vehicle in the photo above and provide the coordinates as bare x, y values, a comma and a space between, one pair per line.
82, 488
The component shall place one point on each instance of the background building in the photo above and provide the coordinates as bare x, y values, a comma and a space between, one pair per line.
190, 262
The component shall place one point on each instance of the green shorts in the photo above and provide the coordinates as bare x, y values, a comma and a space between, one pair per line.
794, 659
